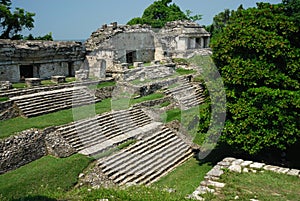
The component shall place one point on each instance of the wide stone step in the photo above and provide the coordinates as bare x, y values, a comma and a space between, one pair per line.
96, 149
29, 113
136, 149
143, 162
51, 101
167, 167
131, 157
167, 155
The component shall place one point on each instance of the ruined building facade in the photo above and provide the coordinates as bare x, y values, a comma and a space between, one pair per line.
103, 53
112, 45
40, 59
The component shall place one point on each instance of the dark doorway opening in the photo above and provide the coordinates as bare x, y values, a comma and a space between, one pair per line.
130, 57
71, 70
26, 71
198, 42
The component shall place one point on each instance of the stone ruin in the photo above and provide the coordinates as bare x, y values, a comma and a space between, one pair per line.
106, 53
112, 45
39, 59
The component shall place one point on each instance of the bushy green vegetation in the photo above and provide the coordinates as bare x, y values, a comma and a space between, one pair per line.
161, 12
47, 176
258, 56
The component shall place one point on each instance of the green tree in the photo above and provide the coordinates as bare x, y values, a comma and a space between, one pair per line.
292, 8
14, 22
160, 12
258, 56
221, 20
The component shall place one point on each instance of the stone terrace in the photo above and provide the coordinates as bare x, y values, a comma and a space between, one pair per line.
186, 94
95, 135
51, 101
148, 159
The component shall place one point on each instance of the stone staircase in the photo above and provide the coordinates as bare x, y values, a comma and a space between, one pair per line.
52, 101
186, 94
95, 135
148, 159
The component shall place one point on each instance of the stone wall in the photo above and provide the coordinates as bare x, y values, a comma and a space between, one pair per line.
8, 110
42, 59
30, 145
21, 149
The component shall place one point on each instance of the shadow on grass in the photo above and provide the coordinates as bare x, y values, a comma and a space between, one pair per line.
289, 158
35, 198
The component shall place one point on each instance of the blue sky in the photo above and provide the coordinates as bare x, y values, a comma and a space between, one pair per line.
77, 19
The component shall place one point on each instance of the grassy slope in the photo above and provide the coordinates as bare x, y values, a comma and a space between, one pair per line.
185, 178
43, 177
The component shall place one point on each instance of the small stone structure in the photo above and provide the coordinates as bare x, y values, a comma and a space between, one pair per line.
5, 85
41, 59
58, 79
32, 82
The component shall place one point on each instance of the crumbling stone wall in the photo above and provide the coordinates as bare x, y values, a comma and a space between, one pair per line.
30, 145
21, 149
112, 45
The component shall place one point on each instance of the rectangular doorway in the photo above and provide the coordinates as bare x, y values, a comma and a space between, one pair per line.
26, 71
130, 56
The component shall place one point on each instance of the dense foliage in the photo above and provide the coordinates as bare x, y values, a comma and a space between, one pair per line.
258, 55
162, 11
12, 23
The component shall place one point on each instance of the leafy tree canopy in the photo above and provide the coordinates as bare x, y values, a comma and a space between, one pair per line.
162, 11
258, 55
13, 22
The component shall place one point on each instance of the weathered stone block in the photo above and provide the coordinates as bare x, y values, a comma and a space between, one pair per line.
5, 85
257, 165
58, 79
235, 168
31, 82
138, 64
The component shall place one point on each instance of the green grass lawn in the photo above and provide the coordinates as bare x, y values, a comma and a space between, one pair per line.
182, 71
124, 102
3, 99
260, 186
185, 178
47, 176
18, 124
